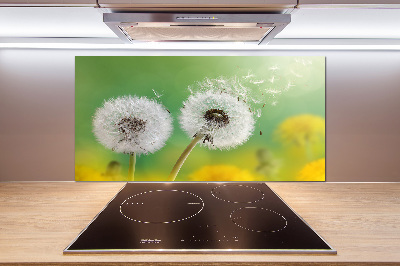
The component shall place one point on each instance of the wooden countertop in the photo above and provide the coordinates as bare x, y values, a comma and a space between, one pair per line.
360, 220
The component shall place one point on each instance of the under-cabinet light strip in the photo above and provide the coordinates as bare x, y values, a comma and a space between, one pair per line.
193, 46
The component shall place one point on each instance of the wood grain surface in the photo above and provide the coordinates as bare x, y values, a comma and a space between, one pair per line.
360, 220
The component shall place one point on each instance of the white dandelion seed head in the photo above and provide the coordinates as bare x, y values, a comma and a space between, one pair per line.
131, 124
225, 121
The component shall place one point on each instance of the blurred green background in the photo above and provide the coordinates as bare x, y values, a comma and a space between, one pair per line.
291, 146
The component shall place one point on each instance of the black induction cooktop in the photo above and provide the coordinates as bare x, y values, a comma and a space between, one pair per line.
198, 217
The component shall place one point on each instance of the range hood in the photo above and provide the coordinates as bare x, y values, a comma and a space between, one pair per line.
257, 28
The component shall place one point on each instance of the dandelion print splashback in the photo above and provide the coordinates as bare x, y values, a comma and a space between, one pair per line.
213, 118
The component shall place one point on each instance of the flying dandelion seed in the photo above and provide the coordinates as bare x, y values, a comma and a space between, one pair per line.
216, 120
272, 79
220, 80
274, 103
289, 85
273, 91
257, 81
249, 75
296, 74
255, 101
158, 95
303, 61
274, 68
133, 126
240, 87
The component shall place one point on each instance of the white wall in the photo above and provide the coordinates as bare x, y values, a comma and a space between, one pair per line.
37, 112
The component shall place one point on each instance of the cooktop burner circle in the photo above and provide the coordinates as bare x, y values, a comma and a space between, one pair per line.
161, 206
258, 219
237, 193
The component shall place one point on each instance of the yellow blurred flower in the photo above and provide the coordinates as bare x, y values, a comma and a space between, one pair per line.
85, 173
301, 130
221, 173
313, 171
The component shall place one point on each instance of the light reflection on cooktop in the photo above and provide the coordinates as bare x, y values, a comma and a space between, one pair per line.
198, 217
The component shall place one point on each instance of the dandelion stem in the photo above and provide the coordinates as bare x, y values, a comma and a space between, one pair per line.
183, 157
131, 170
